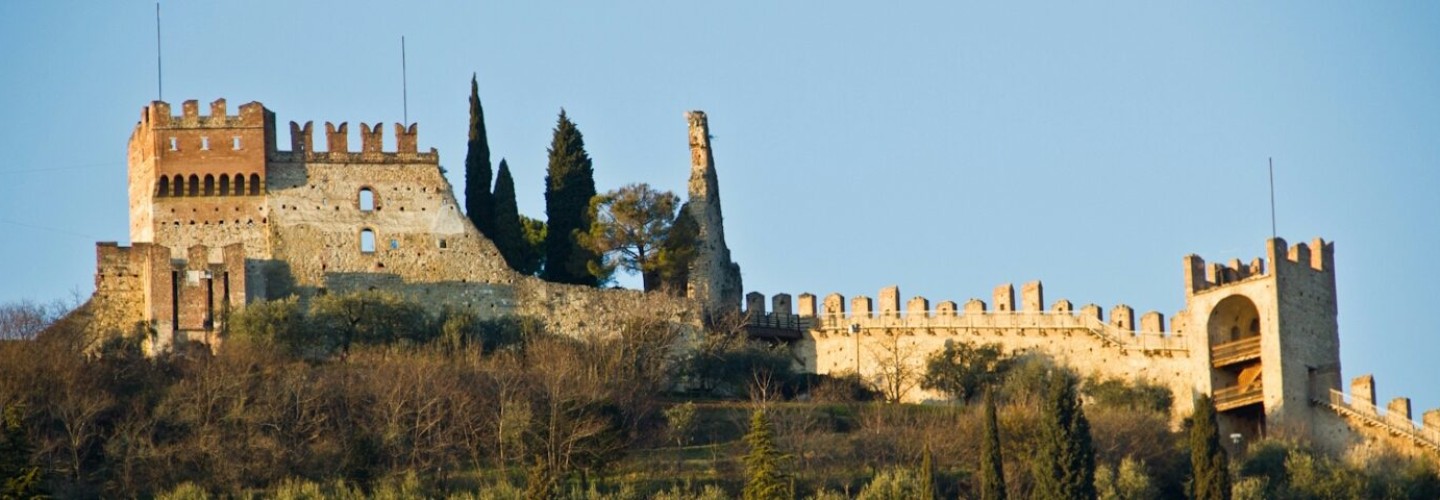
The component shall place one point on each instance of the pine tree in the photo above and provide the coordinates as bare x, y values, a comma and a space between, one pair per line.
569, 186
509, 234
1207, 459
1065, 462
992, 464
677, 252
479, 203
763, 479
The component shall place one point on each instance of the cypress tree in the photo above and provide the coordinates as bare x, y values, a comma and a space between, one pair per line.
992, 464
479, 203
509, 237
763, 479
1065, 462
569, 186
1207, 459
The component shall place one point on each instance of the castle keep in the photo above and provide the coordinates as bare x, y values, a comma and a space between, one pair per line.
221, 217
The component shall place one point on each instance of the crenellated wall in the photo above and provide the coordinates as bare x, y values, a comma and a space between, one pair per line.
870, 335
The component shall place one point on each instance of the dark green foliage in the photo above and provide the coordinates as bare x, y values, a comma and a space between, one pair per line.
963, 370
479, 203
677, 252
1208, 461
764, 479
19, 477
1065, 462
370, 317
535, 232
992, 464
1115, 393
278, 323
509, 234
569, 186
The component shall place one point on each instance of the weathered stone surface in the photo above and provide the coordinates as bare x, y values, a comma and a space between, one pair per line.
714, 278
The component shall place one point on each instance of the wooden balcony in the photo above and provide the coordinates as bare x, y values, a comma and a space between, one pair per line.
1229, 398
1238, 351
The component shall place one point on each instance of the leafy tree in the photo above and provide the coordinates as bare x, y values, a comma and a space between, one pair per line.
18, 478
631, 225
569, 186
1065, 462
479, 203
370, 317
894, 484
1119, 394
1207, 459
509, 234
280, 324
763, 477
992, 464
963, 370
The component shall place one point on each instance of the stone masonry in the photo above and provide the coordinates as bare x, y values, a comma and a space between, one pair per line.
714, 279
220, 218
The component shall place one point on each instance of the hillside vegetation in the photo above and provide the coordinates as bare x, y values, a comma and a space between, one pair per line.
366, 395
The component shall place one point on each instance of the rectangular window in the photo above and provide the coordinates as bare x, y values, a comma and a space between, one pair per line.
204, 143
394, 244
235, 143
174, 144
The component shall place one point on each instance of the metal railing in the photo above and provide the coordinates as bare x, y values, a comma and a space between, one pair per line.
1371, 415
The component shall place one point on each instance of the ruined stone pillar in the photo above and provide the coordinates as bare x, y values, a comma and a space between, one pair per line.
714, 279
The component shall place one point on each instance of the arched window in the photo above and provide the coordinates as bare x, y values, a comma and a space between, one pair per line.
239, 184
367, 241
367, 200
209, 185
163, 189
194, 185
224, 184
254, 183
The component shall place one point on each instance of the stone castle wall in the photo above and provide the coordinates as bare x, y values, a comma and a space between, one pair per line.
317, 222
1082, 339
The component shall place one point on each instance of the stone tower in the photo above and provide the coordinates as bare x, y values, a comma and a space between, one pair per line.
714, 280
1265, 341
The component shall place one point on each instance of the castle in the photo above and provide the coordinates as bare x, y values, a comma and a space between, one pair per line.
220, 217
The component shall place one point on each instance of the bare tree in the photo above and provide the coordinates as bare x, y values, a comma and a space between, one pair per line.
898, 370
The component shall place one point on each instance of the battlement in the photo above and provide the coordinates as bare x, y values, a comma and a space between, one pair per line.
1396, 418
157, 115
832, 316
337, 144
1317, 256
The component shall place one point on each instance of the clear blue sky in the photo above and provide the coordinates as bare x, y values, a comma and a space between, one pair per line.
946, 147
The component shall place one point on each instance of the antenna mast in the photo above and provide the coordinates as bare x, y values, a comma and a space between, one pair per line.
1272, 197
404, 85
159, 75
